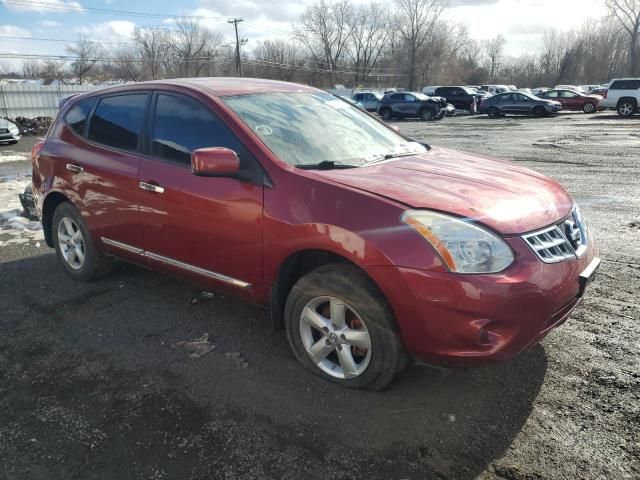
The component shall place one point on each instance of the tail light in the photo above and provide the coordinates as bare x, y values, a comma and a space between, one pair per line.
36, 150
604, 95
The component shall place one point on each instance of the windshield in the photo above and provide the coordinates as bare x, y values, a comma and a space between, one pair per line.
310, 128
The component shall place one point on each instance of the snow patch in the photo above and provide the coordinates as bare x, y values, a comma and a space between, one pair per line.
14, 228
5, 158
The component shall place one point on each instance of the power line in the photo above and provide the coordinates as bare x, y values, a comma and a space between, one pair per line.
40, 39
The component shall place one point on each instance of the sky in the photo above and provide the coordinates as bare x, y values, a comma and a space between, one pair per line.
521, 22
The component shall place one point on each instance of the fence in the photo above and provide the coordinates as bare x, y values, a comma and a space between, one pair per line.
30, 101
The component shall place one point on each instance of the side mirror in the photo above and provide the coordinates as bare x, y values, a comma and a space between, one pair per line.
214, 162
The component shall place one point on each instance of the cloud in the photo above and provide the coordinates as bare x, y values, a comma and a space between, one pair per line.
106, 31
44, 6
471, 3
13, 31
49, 24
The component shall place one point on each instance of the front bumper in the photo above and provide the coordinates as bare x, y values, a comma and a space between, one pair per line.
471, 320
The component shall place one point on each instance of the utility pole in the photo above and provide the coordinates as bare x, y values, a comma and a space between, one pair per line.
235, 22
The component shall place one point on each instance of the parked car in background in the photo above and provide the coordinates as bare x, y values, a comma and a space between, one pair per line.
430, 90
495, 89
351, 101
368, 248
450, 110
462, 98
575, 88
368, 100
9, 132
589, 88
536, 91
525, 90
411, 104
623, 94
518, 103
513, 88
573, 100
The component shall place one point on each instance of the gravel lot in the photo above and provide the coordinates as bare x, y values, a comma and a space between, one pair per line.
95, 384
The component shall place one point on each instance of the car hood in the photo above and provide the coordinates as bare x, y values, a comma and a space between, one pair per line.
506, 197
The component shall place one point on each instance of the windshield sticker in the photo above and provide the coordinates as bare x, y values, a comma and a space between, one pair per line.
263, 130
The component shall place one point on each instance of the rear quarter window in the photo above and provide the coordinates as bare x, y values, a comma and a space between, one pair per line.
76, 118
117, 121
625, 85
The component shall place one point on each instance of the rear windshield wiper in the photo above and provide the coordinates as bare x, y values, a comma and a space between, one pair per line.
325, 165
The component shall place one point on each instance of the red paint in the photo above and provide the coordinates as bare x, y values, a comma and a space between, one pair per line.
246, 230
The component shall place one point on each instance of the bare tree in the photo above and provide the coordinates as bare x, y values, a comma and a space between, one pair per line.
31, 68
195, 47
494, 48
627, 12
279, 57
87, 54
153, 46
324, 31
370, 33
416, 20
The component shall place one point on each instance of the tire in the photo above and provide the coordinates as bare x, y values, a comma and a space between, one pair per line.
385, 113
589, 108
379, 355
74, 246
626, 107
539, 111
427, 114
494, 112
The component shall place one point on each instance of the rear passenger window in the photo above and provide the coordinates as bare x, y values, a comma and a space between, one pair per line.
117, 121
77, 116
182, 125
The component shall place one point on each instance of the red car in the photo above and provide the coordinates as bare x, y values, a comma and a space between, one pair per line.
572, 100
369, 248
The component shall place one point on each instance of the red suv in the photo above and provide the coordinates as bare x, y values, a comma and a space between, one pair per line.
369, 248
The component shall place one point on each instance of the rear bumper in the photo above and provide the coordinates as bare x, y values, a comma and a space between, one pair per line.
471, 320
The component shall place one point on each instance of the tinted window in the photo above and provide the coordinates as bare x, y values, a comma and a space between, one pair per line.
397, 96
357, 97
507, 97
443, 92
182, 125
77, 116
117, 121
625, 85
409, 98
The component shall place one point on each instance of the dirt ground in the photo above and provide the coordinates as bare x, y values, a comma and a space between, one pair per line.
94, 383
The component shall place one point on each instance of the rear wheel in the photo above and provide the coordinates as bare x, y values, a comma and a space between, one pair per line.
427, 114
340, 327
589, 108
626, 107
74, 246
385, 113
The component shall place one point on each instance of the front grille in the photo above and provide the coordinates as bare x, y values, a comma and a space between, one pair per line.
564, 241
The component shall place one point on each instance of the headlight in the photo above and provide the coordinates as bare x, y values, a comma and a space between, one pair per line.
463, 246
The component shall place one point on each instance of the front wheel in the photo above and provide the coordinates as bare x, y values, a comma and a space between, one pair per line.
385, 113
74, 246
427, 114
493, 112
340, 327
539, 111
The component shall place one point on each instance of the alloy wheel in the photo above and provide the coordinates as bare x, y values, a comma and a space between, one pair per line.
335, 337
625, 109
71, 243
589, 108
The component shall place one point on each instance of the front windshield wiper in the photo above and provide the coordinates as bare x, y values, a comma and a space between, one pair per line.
325, 165
388, 156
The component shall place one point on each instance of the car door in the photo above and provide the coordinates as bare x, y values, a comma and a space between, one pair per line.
570, 100
207, 227
522, 103
398, 104
506, 103
411, 105
102, 166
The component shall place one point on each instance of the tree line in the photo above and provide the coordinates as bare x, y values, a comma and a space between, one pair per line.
408, 44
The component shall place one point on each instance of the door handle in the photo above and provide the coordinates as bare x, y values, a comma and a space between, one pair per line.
149, 187
74, 168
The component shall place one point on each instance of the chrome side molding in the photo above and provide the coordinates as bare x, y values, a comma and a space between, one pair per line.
176, 263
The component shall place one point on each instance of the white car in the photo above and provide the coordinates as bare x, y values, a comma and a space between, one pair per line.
575, 88
9, 132
623, 94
